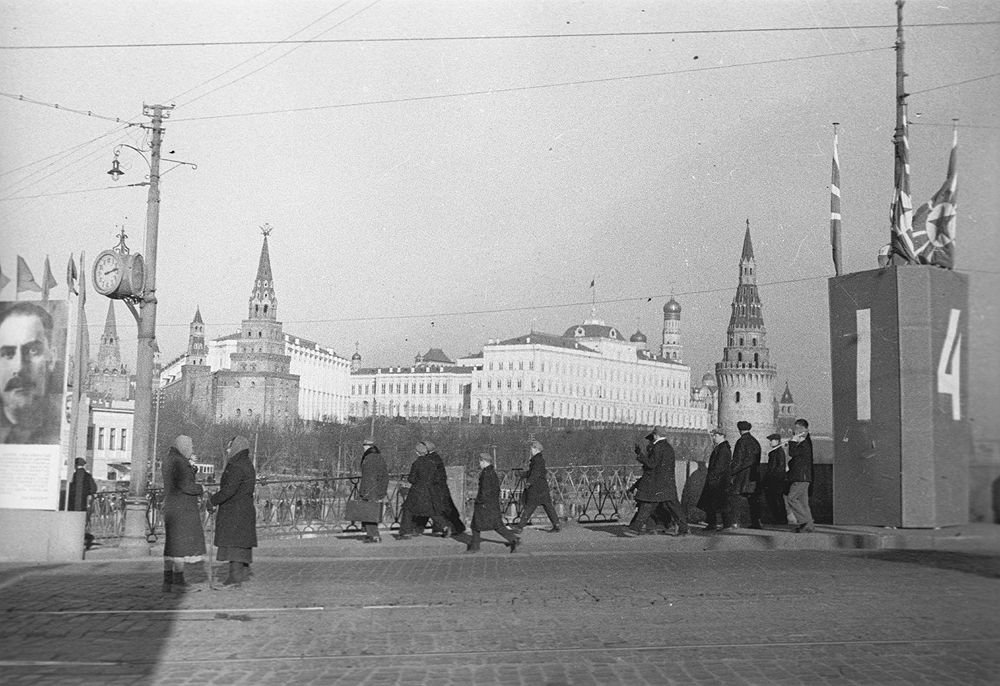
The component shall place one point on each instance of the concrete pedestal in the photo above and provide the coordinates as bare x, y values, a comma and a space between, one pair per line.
41, 536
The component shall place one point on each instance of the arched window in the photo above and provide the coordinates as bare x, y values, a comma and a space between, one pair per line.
758, 397
256, 309
756, 360
265, 309
737, 396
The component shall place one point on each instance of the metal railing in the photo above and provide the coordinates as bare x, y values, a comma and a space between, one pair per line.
586, 494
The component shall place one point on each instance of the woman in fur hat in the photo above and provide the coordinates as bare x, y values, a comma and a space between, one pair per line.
185, 539
236, 522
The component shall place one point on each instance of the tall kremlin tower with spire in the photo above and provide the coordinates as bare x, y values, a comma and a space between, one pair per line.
746, 377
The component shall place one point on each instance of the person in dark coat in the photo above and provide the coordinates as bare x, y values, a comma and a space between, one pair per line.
715, 494
774, 481
185, 538
421, 500
658, 485
536, 491
744, 474
236, 522
487, 516
800, 475
374, 484
660, 518
442, 495
80, 488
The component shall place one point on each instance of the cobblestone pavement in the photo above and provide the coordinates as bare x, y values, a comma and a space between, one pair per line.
424, 613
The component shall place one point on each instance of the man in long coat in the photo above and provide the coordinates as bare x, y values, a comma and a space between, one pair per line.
374, 484
744, 474
487, 516
422, 499
236, 522
442, 494
774, 481
185, 538
536, 491
658, 485
800, 475
715, 494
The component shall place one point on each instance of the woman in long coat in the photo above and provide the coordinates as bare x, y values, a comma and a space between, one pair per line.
421, 500
185, 539
374, 484
236, 522
487, 516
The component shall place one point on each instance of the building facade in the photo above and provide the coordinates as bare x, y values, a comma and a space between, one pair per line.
434, 387
745, 376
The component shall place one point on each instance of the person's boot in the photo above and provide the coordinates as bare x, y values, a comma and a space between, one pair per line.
514, 543
168, 579
180, 585
235, 575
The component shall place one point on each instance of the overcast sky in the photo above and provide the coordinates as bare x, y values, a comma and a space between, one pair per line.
444, 192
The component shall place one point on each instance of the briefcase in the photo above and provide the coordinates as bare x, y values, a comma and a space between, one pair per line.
363, 511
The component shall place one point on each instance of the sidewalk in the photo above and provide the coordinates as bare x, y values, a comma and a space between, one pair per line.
591, 538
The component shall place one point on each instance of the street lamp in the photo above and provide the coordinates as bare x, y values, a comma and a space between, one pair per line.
145, 316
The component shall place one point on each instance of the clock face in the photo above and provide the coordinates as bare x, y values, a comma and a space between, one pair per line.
107, 273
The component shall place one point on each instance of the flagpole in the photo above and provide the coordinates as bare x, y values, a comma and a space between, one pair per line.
80, 371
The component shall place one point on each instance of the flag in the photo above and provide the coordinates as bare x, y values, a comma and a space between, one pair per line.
934, 220
71, 275
901, 216
835, 207
25, 279
48, 280
4, 280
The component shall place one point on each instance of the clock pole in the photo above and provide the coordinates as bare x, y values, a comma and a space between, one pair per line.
137, 502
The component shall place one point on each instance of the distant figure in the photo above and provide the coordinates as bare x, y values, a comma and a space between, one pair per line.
236, 523
536, 491
800, 475
374, 484
185, 539
774, 481
715, 495
486, 516
658, 486
421, 500
81, 487
744, 471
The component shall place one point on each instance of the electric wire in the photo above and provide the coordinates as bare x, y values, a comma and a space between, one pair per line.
484, 37
956, 83
514, 89
61, 108
82, 190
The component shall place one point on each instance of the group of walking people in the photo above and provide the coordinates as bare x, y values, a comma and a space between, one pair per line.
778, 488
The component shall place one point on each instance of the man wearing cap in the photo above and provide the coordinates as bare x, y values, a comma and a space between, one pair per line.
658, 485
715, 494
421, 500
774, 480
374, 484
800, 474
486, 515
536, 491
744, 475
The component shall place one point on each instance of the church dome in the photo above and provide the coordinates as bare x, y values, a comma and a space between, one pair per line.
672, 308
709, 380
638, 337
356, 355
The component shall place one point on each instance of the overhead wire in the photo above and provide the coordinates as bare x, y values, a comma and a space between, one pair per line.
955, 83
485, 37
61, 108
514, 89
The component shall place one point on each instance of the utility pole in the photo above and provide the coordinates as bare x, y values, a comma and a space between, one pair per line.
136, 503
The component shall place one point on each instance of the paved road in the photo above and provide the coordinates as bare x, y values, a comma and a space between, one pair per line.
629, 615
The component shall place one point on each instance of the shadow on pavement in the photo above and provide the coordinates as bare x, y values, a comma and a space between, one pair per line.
987, 566
72, 625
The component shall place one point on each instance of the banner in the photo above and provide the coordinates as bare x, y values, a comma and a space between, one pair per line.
32, 384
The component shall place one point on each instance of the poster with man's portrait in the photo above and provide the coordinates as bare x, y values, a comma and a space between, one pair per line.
33, 338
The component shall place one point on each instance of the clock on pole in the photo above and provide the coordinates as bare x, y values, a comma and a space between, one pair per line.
118, 273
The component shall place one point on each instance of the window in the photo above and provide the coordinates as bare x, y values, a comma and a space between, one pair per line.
111, 439
250, 412
444, 387
758, 397
237, 412
100, 438
737, 396
531, 406
122, 439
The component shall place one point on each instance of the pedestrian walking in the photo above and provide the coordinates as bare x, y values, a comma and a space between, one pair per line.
185, 539
744, 475
487, 516
442, 495
774, 481
715, 494
536, 491
236, 522
800, 475
78, 495
658, 485
421, 500
374, 484
660, 519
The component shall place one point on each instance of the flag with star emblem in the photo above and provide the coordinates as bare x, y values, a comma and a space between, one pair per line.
901, 216
934, 221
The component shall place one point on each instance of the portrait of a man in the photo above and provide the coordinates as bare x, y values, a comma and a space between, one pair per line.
31, 382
